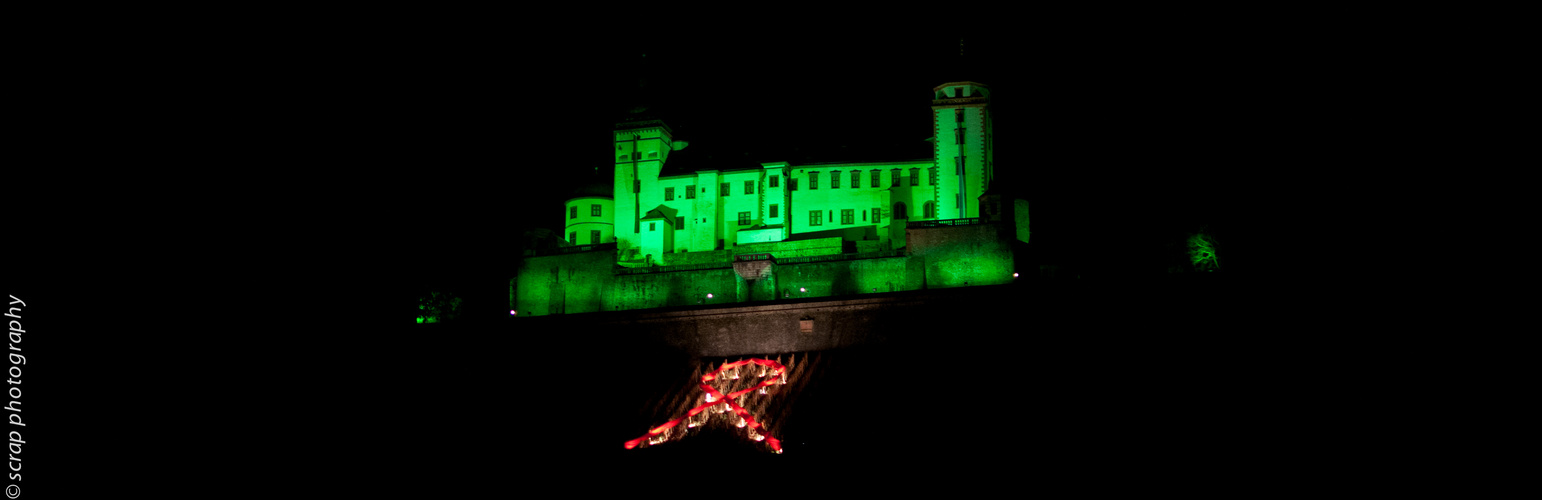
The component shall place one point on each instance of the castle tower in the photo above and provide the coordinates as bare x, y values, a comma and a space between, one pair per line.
642, 145
590, 215
961, 126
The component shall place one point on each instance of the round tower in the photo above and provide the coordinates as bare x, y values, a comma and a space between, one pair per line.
590, 215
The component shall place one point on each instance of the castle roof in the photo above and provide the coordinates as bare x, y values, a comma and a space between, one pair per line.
661, 212
688, 162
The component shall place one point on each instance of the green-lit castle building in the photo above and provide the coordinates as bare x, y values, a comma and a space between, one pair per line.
672, 233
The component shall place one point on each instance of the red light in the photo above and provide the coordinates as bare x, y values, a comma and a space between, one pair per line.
716, 397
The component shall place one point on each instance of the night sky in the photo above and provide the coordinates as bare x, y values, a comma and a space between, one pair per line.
1122, 140
196, 192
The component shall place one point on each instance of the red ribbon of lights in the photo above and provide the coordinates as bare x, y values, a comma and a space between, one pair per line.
716, 397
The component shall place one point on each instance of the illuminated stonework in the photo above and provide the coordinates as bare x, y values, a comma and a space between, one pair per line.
719, 209
833, 228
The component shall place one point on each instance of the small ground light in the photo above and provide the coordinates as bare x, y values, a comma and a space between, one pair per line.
513, 312
801, 289
709, 295
1014, 275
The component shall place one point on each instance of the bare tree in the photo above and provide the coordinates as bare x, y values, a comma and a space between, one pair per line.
1202, 250
438, 307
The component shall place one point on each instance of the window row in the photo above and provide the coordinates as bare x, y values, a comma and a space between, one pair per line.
594, 210
928, 210
594, 237
848, 216
636, 156
874, 178
723, 189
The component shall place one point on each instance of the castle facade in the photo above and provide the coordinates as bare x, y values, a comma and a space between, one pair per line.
673, 235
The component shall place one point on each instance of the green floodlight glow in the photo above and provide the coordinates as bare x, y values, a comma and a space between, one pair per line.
1202, 252
636, 258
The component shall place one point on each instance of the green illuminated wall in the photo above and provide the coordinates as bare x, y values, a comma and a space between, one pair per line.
1020, 218
563, 284
789, 249
851, 277
940, 257
963, 255
668, 289
581, 221
699, 217
642, 147
711, 217
961, 126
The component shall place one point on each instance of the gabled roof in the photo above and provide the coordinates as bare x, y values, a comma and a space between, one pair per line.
662, 212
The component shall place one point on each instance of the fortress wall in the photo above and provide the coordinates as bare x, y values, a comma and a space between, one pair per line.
959, 255
563, 284
670, 289
790, 249
940, 257
850, 277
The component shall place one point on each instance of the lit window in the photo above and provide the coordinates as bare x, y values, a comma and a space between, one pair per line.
680, 224
653, 226
573, 212
816, 218
877, 176
573, 238
653, 154
773, 210
723, 189
835, 179
594, 236
749, 187
856, 179
877, 215
669, 194
594, 210
774, 180
929, 210
848, 216
792, 184
915, 176
931, 176
690, 192
895, 178
813, 181
744, 218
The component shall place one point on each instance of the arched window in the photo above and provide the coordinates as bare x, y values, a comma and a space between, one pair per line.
899, 211
929, 210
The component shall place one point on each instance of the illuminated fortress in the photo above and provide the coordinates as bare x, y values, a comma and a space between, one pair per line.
675, 233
